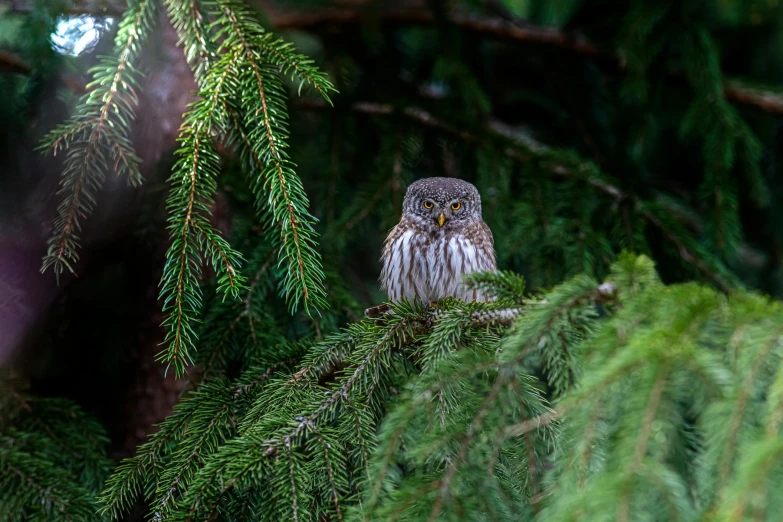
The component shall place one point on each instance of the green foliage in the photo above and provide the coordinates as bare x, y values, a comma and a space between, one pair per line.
96, 138
588, 402
594, 387
247, 60
729, 146
52, 457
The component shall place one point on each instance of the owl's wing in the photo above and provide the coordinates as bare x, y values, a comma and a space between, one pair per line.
487, 245
387, 255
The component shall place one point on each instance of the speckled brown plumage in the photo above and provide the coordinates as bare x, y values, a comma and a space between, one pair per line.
439, 238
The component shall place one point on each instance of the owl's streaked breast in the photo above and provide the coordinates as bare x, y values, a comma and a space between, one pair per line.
431, 267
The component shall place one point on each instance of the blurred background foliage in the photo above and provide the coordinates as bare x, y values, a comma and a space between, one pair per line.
589, 127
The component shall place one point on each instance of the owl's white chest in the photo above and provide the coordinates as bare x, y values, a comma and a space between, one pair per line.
431, 268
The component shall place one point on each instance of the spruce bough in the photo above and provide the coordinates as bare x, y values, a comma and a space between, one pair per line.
590, 401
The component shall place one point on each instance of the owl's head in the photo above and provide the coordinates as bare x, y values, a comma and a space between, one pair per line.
442, 202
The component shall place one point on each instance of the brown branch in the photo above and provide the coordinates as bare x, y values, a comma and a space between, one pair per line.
314, 20
11, 63
495, 129
494, 27
533, 424
767, 101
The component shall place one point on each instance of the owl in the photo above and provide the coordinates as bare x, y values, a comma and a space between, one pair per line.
439, 238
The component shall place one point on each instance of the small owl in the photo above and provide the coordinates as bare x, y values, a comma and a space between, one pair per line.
439, 238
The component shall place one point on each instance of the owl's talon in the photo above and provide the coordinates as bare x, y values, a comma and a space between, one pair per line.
376, 312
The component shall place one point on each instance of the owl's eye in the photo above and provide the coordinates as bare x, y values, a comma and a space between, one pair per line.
428, 204
456, 206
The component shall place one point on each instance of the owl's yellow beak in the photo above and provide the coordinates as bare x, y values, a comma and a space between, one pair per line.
441, 219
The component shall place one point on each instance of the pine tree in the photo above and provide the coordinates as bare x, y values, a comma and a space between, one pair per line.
631, 365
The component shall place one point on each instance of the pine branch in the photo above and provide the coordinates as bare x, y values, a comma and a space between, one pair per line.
258, 50
304, 278
194, 180
213, 426
96, 138
166, 463
190, 19
445, 481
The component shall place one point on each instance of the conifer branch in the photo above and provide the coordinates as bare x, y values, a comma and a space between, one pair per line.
194, 181
735, 421
292, 475
281, 180
330, 471
132, 475
445, 481
286, 197
191, 452
100, 126
48, 495
190, 20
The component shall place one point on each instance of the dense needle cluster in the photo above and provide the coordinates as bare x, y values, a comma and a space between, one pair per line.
242, 102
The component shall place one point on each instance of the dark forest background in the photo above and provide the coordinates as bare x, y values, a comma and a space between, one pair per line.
589, 126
